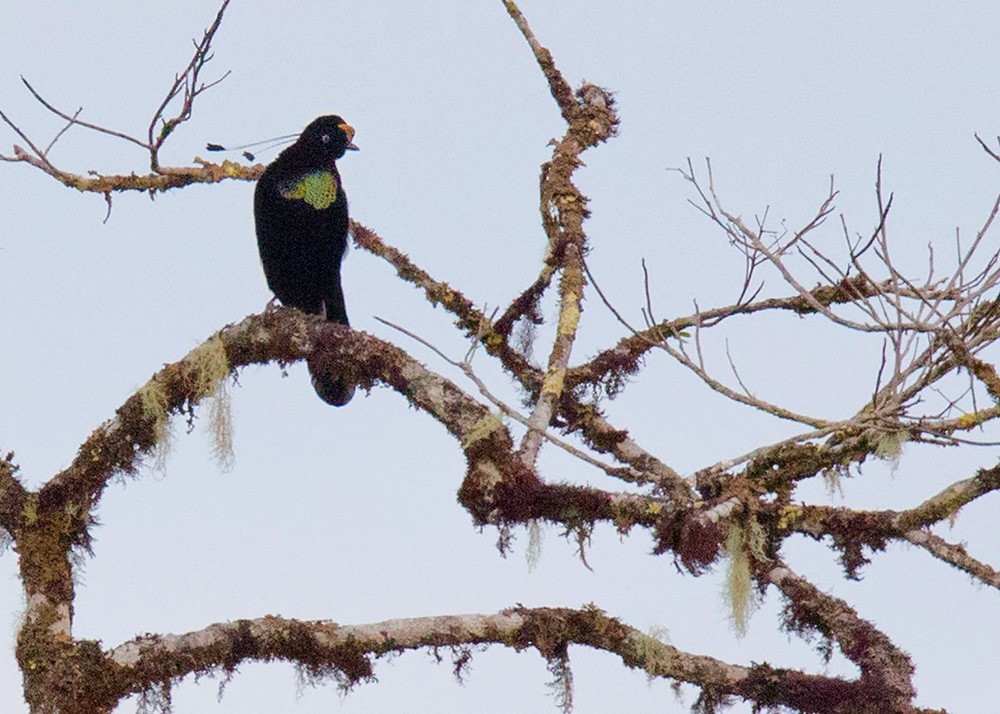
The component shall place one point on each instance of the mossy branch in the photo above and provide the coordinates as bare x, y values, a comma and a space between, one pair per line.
347, 653
599, 434
470, 319
955, 555
560, 88
13, 495
885, 669
563, 210
165, 179
853, 531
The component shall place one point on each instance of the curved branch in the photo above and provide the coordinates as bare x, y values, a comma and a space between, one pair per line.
346, 653
886, 671
563, 209
281, 334
630, 349
74, 119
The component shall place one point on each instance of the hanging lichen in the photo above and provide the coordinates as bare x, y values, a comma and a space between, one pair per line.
155, 408
534, 552
889, 446
220, 424
832, 478
208, 367
741, 543
562, 680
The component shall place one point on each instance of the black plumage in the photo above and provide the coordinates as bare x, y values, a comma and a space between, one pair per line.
300, 209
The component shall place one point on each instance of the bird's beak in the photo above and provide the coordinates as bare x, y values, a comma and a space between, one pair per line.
349, 132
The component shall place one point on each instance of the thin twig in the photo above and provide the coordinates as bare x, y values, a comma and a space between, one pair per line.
987, 149
72, 119
466, 367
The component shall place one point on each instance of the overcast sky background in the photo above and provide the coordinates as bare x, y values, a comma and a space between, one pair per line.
350, 514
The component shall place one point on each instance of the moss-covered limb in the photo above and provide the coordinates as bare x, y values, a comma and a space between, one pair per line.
626, 356
342, 652
987, 374
956, 555
471, 320
777, 467
854, 531
43, 544
503, 492
77, 677
947, 428
58, 517
886, 671
595, 429
346, 653
281, 335
560, 88
604, 438
563, 211
42, 547
367, 360
948, 502
55, 669
138, 428
526, 304
163, 180
570, 306
62, 676
13, 495
590, 119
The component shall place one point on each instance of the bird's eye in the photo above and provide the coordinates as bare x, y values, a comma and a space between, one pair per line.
326, 138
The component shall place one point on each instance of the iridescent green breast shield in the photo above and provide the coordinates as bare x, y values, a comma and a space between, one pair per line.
318, 189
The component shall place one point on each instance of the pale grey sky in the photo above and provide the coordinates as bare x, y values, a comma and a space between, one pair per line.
350, 514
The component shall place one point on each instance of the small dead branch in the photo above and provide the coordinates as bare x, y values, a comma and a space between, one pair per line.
987, 149
188, 86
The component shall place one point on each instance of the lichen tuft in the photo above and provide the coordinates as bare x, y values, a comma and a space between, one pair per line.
155, 409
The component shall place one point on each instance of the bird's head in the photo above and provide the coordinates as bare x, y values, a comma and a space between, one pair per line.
328, 136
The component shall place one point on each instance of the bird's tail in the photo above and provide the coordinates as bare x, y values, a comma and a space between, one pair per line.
327, 383
330, 388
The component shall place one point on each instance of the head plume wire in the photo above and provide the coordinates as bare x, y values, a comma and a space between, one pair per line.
273, 142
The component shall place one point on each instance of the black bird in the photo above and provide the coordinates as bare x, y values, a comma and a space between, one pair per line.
300, 209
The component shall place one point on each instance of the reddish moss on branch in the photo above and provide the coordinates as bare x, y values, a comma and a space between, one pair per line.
695, 540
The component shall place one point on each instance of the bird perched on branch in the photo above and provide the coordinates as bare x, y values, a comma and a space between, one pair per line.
300, 209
